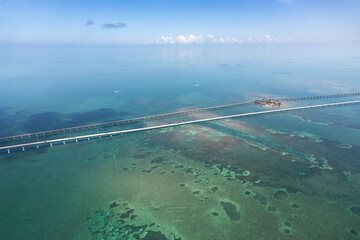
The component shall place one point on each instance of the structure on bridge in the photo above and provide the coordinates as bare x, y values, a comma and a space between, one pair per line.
37, 144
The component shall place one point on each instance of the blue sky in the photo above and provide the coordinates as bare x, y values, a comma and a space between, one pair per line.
178, 21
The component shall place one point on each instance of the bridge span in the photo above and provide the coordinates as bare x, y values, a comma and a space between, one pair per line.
122, 132
161, 116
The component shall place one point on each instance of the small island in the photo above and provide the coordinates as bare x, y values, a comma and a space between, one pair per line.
268, 102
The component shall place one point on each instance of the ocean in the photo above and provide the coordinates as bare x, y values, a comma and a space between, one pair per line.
284, 176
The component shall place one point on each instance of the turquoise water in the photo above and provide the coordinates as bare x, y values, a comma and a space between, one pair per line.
287, 176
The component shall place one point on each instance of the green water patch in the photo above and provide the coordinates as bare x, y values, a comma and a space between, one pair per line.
193, 131
312, 121
263, 142
300, 134
345, 145
231, 211
216, 136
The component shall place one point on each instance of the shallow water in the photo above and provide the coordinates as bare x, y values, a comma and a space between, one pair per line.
286, 176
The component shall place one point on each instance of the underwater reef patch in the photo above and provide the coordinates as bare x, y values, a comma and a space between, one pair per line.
355, 210
114, 204
280, 195
287, 231
288, 224
261, 199
152, 235
294, 205
127, 214
231, 211
158, 160
271, 209
114, 223
354, 232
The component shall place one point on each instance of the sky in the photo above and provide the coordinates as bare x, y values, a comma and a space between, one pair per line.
178, 21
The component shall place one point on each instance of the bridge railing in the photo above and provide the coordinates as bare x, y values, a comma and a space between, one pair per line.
319, 97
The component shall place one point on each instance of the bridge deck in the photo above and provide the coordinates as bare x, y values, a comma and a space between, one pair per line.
161, 116
110, 134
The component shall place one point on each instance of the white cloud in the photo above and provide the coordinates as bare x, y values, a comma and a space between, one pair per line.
165, 40
210, 36
212, 39
189, 39
181, 39
230, 40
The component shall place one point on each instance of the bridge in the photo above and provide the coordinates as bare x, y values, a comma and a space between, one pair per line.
88, 137
161, 116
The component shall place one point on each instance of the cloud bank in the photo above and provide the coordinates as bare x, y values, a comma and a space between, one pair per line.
114, 25
210, 38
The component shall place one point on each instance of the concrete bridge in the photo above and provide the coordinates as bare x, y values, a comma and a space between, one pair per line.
159, 116
318, 97
52, 142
